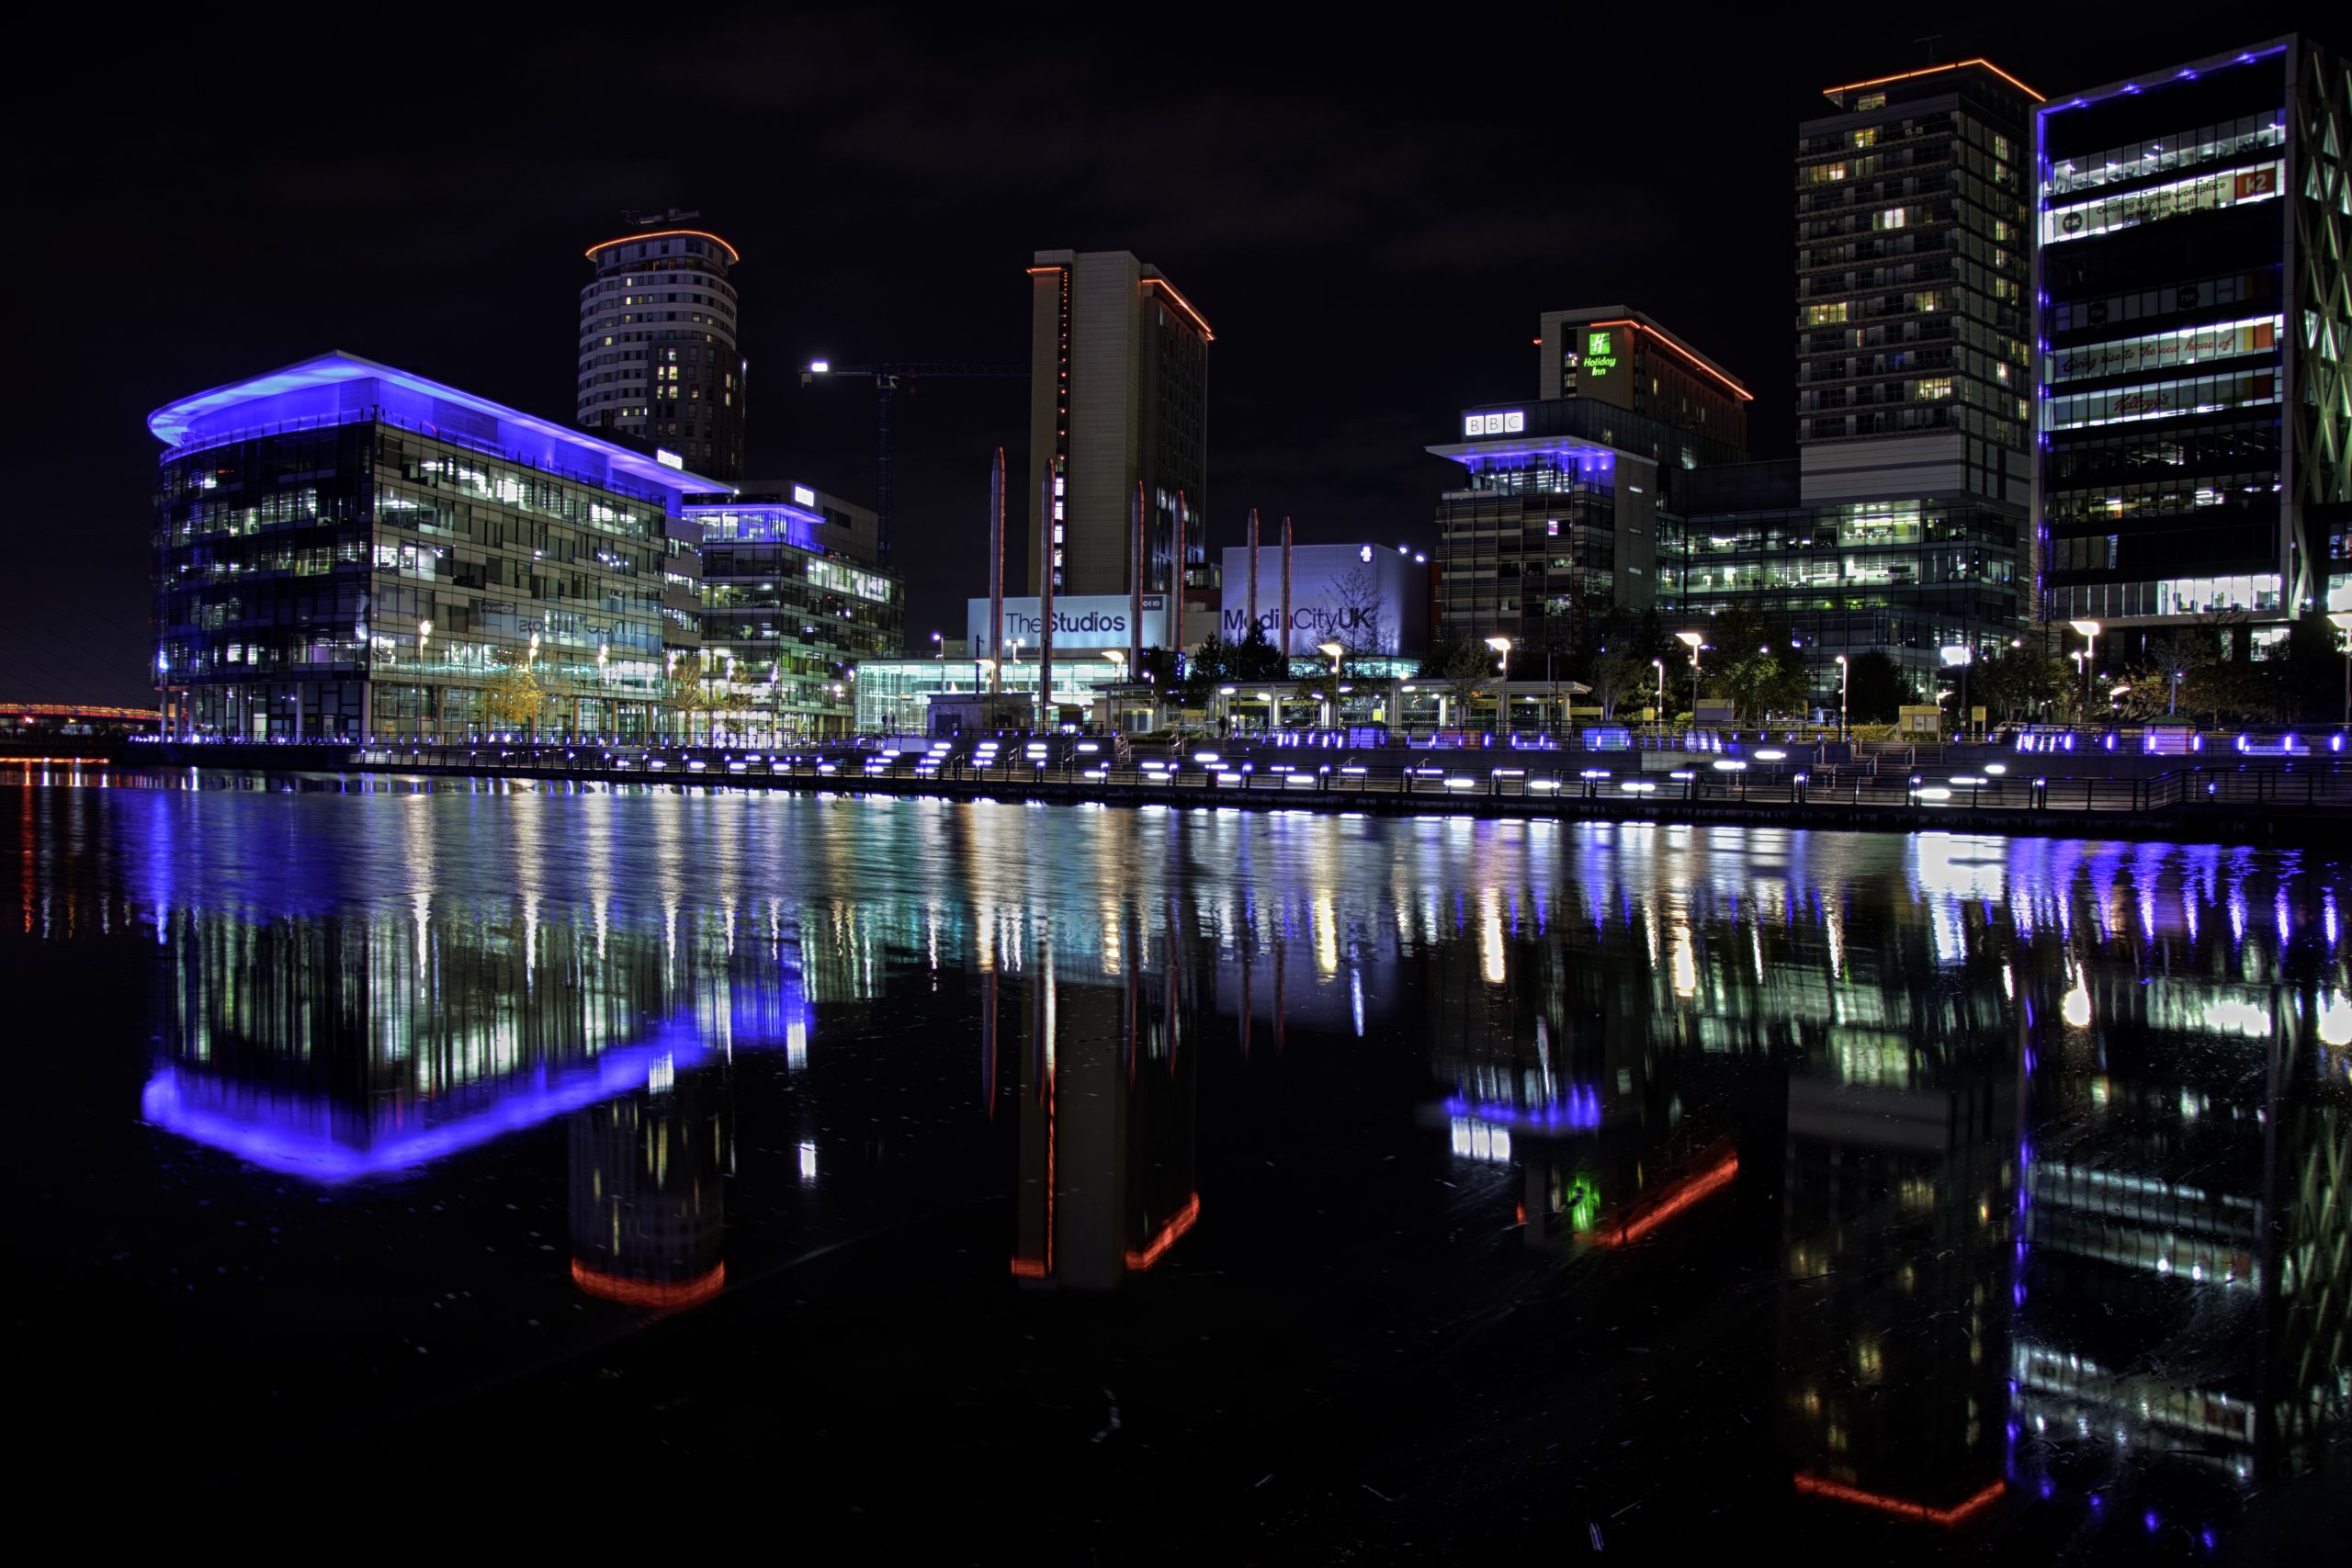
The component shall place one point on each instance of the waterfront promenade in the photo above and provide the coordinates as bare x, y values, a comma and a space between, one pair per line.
2226, 797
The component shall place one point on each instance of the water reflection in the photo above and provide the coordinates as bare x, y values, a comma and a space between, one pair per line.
2042, 1143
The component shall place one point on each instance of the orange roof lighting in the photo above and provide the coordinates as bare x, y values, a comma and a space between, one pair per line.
1733, 387
1678, 1197
1902, 1507
1930, 70
1035, 270
1184, 305
732, 256
1169, 1234
659, 1294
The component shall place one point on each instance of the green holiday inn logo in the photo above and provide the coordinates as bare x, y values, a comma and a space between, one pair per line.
1600, 352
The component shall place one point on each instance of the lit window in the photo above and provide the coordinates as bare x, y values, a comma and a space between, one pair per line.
1890, 218
1823, 315
1932, 387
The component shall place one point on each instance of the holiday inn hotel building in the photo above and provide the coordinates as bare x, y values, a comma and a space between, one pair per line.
343, 550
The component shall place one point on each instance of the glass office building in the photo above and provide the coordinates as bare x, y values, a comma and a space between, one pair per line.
345, 550
1564, 498
1910, 577
792, 605
2194, 313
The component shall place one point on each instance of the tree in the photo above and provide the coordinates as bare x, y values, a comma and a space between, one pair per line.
1876, 688
1355, 596
1208, 667
691, 691
1614, 675
1461, 666
2309, 669
2017, 683
1759, 674
513, 699
1255, 658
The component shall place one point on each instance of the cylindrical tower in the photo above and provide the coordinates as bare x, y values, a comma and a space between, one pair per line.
658, 359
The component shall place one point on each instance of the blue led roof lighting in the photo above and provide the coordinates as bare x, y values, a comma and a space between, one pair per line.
2168, 75
758, 521
343, 388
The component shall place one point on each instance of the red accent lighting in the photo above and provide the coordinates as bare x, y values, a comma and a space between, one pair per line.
1676, 1197
732, 255
659, 1294
1183, 304
1737, 391
1932, 70
1169, 1234
1902, 1507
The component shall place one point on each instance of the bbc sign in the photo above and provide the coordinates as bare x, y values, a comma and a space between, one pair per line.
1511, 423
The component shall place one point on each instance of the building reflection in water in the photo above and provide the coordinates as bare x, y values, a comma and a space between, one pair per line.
2180, 1271
2048, 1138
649, 1203
1101, 1070
337, 1047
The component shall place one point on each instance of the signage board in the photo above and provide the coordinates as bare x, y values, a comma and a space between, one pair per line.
1371, 599
1082, 622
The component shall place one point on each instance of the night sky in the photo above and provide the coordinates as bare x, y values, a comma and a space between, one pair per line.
1369, 212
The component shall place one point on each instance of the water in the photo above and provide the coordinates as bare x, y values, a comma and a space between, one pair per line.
968, 1180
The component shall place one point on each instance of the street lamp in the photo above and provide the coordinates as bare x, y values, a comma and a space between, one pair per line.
1845, 686
1659, 665
1693, 641
1334, 652
939, 646
1501, 645
2090, 652
2342, 621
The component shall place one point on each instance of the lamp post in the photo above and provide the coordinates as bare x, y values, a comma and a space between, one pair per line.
603, 653
2342, 621
1693, 641
1501, 645
1118, 658
939, 647
2090, 653
1657, 708
1334, 652
1845, 686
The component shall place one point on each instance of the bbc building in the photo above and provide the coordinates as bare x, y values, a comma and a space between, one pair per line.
345, 550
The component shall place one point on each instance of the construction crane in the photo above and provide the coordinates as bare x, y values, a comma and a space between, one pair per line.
890, 379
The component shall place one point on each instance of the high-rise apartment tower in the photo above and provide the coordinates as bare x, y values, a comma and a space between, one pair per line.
1119, 396
658, 360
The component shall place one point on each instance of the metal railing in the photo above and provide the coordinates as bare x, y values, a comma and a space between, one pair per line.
2317, 784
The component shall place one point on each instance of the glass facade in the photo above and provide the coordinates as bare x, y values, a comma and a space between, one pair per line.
2193, 320
1561, 509
788, 619
893, 695
362, 578
1907, 578
1535, 533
